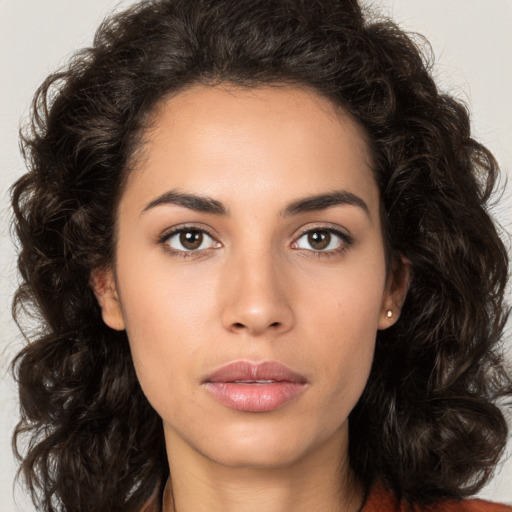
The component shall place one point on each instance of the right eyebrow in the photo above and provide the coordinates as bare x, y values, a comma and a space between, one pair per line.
324, 201
195, 202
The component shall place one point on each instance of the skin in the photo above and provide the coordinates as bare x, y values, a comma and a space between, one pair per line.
257, 290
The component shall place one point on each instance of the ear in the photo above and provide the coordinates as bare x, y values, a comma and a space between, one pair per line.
103, 285
395, 293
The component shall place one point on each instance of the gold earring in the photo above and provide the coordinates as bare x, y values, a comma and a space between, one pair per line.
389, 313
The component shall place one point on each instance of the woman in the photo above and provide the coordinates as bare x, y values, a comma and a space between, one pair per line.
256, 236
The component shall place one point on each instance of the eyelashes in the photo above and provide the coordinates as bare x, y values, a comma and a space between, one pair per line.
195, 241
323, 241
189, 241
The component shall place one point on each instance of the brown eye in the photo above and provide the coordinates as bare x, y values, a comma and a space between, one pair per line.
319, 240
190, 240
322, 240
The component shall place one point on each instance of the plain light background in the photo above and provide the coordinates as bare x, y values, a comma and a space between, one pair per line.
472, 41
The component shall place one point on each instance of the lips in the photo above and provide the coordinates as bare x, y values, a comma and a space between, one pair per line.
251, 387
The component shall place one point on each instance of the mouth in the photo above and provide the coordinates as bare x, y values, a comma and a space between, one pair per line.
251, 387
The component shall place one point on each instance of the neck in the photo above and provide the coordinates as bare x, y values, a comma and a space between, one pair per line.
319, 481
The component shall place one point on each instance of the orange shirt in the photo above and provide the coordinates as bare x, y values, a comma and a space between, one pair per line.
383, 500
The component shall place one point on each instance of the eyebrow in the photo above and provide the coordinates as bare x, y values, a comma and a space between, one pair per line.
324, 201
207, 204
195, 202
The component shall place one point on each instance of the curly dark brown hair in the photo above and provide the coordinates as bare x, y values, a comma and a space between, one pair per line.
428, 424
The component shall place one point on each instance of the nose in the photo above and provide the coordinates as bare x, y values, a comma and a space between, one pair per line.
256, 297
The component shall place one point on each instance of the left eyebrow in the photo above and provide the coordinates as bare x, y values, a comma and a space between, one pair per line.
195, 202
324, 201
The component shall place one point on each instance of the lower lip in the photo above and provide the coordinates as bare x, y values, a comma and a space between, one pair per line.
254, 397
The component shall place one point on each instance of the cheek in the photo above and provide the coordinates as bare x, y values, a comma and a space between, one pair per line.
345, 361
161, 298
166, 315
347, 299
172, 317
342, 317
166, 318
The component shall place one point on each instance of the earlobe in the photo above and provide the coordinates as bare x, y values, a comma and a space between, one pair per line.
396, 292
104, 287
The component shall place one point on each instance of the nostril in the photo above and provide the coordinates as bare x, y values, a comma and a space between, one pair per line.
240, 325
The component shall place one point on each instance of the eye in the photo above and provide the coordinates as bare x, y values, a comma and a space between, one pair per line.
190, 240
322, 240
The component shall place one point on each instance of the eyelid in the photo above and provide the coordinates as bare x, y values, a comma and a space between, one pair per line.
346, 238
180, 228
192, 226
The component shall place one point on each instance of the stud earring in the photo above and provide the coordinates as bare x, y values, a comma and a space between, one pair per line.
389, 313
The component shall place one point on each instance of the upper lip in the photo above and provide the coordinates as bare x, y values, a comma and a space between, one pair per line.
248, 371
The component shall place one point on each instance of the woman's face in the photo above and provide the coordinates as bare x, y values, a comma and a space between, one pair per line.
250, 273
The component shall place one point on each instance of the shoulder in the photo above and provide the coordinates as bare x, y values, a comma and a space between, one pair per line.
151, 506
381, 499
473, 505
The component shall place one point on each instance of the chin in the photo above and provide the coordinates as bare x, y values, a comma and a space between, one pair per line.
267, 447
257, 457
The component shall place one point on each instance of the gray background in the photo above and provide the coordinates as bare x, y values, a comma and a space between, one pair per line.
472, 40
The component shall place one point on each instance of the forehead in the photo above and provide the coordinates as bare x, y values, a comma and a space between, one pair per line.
238, 143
